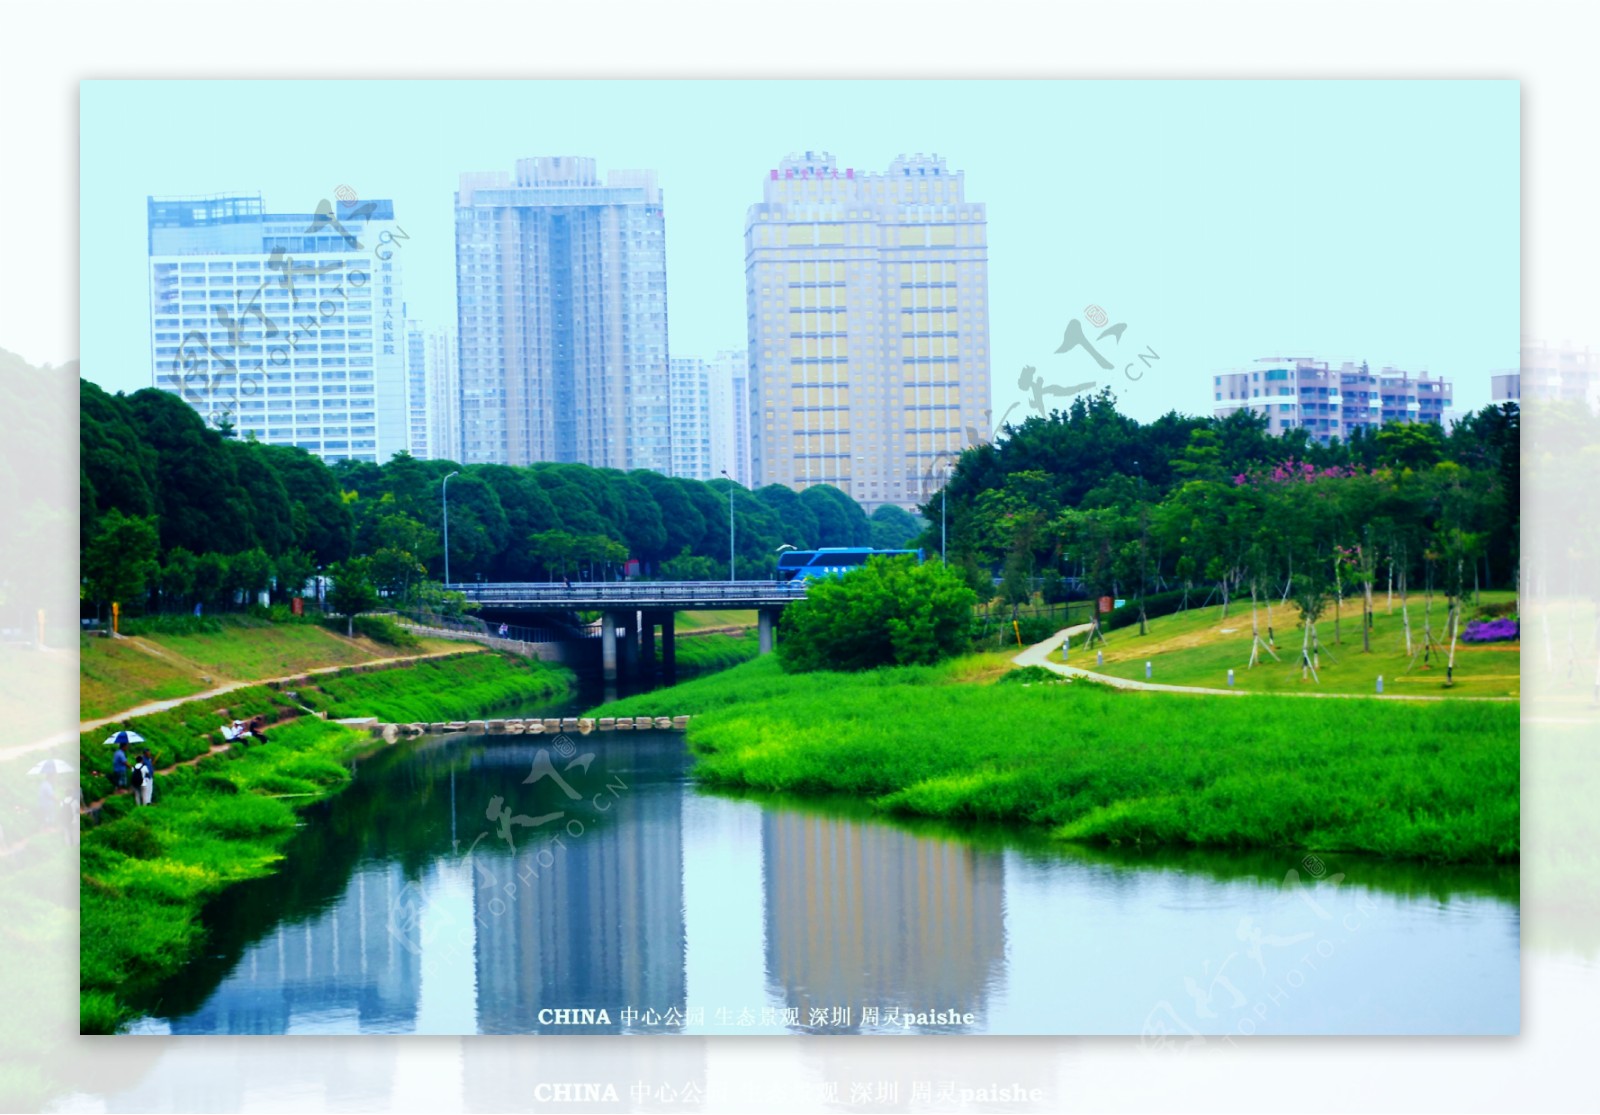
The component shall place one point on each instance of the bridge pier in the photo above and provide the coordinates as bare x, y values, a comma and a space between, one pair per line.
608, 645
647, 642
669, 647
764, 627
630, 643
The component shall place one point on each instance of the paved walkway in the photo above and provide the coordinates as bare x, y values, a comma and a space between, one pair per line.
1039, 655
162, 706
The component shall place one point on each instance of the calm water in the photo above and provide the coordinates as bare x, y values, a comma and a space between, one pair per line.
446, 893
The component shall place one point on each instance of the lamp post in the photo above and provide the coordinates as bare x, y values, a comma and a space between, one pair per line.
943, 490
731, 575
444, 506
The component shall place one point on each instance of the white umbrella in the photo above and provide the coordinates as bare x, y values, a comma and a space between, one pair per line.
124, 736
52, 766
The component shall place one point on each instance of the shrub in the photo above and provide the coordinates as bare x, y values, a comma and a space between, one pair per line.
181, 624
380, 629
889, 612
133, 836
1491, 631
1027, 675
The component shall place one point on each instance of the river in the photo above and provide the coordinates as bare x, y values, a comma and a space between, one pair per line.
504, 884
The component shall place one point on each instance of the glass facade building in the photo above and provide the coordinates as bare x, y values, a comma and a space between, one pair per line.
290, 326
562, 316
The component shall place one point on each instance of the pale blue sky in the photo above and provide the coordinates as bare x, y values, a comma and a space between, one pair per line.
1222, 221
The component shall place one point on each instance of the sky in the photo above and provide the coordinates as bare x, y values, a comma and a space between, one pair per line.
1219, 221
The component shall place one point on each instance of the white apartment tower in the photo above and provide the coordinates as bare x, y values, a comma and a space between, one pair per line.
290, 325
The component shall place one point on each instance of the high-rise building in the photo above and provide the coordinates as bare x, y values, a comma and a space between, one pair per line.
432, 391
288, 325
691, 418
1297, 392
416, 389
444, 396
868, 308
729, 377
562, 308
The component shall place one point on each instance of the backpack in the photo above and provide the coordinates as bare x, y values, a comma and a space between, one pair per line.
138, 775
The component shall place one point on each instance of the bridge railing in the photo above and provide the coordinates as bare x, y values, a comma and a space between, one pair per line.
625, 593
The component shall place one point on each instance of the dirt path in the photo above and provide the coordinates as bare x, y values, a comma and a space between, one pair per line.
1039, 655
162, 706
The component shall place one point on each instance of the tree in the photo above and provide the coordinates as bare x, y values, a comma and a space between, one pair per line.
177, 576
893, 528
352, 590
121, 559
292, 570
889, 612
249, 574
211, 578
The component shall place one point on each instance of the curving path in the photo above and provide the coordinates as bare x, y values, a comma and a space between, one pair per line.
1039, 655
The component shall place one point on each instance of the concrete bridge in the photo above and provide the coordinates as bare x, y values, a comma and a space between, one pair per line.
638, 607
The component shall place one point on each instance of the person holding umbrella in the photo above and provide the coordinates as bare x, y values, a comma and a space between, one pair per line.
119, 761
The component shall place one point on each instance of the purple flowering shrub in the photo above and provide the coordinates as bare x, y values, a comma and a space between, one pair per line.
1491, 631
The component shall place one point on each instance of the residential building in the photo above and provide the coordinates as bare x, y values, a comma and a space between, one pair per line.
867, 300
1295, 392
562, 316
691, 418
289, 325
444, 396
1550, 373
433, 391
729, 376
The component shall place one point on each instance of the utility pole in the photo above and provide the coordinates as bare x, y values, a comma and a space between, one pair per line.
731, 575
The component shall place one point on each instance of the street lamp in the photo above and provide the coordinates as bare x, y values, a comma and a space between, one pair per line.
444, 504
731, 575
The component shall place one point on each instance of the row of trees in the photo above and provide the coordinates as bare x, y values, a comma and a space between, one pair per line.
1219, 508
231, 517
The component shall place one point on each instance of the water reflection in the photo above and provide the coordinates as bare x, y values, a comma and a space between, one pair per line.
864, 915
467, 885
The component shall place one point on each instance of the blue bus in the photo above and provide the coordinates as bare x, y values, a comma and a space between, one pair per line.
831, 561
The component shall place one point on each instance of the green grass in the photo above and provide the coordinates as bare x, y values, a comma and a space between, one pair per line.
119, 674
1198, 648
147, 873
697, 620
703, 653
438, 689
1433, 781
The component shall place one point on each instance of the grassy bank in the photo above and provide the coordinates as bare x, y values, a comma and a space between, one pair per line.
178, 659
1433, 781
438, 689
1200, 646
147, 874
702, 653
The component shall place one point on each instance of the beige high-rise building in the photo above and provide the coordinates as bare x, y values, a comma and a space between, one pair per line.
868, 326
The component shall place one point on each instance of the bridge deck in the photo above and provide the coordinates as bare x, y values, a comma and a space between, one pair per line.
675, 595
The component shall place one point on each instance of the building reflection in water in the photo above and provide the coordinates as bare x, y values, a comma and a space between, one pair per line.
596, 921
868, 915
341, 971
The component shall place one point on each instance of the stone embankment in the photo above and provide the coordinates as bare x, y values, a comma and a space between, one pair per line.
582, 725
